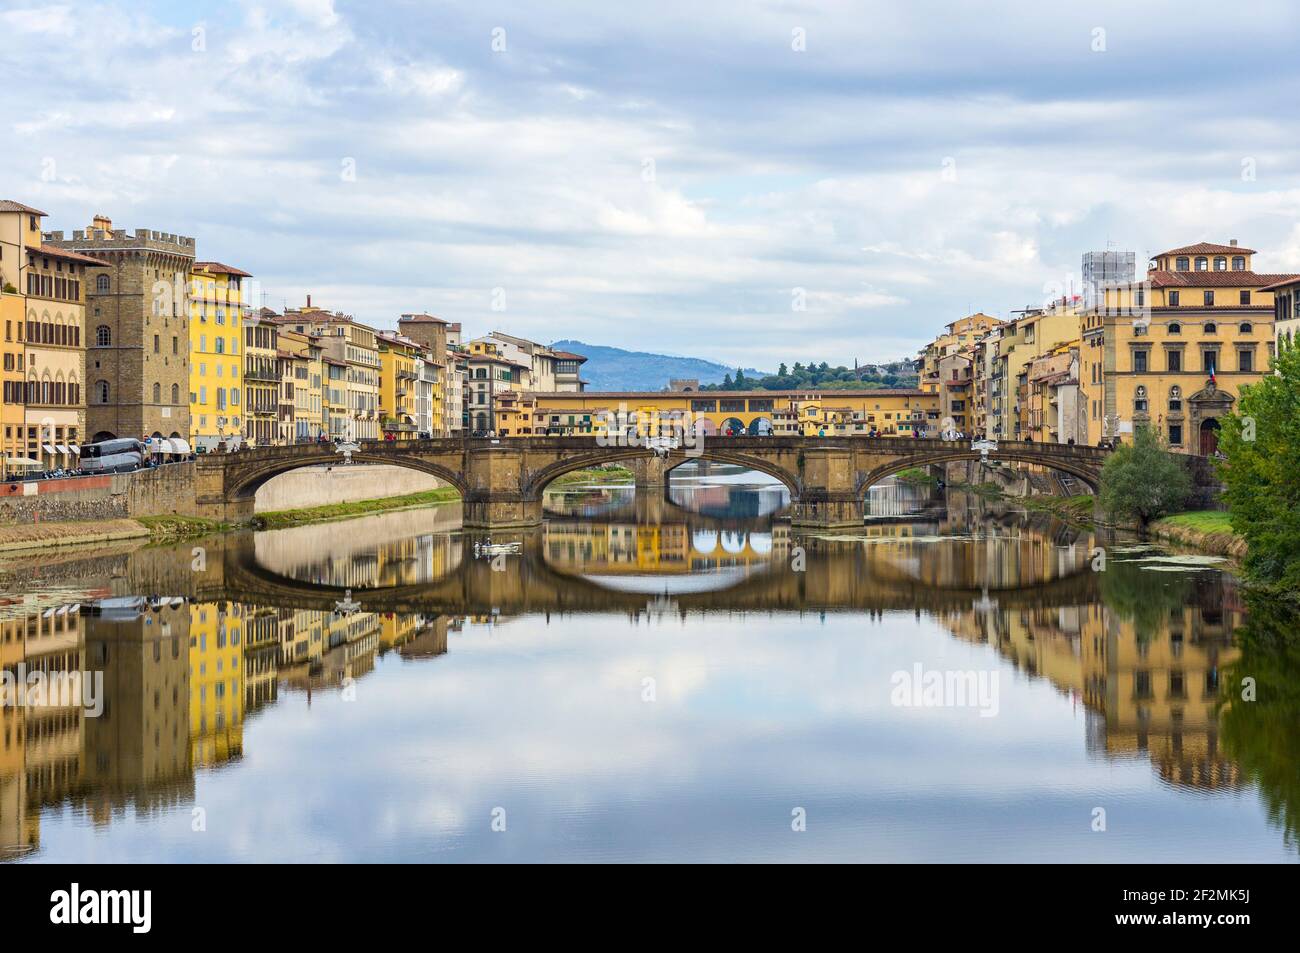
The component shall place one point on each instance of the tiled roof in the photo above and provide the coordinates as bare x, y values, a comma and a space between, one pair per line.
1208, 248
9, 205
217, 268
1286, 281
1212, 279
569, 356
422, 319
65, 254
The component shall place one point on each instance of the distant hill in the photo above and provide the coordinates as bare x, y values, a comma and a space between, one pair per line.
612, 368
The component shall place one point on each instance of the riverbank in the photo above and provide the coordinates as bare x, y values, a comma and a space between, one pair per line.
29, 536
1209, 531
278, 519
606, 475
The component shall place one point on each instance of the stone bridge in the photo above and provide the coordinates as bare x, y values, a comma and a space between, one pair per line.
501, 481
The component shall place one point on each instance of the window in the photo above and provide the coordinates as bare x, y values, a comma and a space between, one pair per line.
1210, 361
1246, 360
1220, 263
157, 393
176, 394
101, 391
1209, 298
1244, 327
1174, 359
1181, 265
1176, 435
1238, 263
1140, 362
156, 349
1245, 297
103, 336
101, 284
1173, 299
1211, 328
1175, 327
1140, 400
1202, 263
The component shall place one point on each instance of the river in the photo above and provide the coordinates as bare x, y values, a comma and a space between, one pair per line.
654, 676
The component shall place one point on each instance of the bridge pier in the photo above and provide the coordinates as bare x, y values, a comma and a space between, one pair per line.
497, 479
827, 511
829, 496
500, 513
649, 472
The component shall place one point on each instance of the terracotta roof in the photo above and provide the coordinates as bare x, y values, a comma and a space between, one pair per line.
1207, 248
9, 205
217, 268
569, 356
1287, 281
336, 362
422, 319
65, 254
1212, 279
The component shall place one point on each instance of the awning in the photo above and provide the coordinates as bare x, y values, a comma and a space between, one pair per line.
178, 445
63, 448
22, 462
49, 448
75, 449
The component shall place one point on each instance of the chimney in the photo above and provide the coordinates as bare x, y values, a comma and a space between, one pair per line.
309, 301
1232, 242
102, 223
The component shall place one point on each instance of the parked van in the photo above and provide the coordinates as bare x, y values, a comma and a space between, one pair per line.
113, 456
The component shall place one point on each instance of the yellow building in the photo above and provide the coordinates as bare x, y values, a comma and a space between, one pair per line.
958, 335
216, 682
345, 339
1032, 335
1174, 351
398, 379
887, 412
217, 389
18, 231
308, 384
1286, 313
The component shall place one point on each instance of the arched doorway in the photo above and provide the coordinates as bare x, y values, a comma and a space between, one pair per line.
1209, 436
760, 427
732, 427
104, 435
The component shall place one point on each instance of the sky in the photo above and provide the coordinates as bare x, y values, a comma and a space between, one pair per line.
750, 182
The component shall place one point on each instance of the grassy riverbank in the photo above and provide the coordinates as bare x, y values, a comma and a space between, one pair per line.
1207, 530
28, 536
609, 475
337, 511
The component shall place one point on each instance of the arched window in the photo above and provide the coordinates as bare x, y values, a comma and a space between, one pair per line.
101, 283
157, 393
1244, 327
1202, 263
1140, 400
176, 394
1182, 264
103, 336
1175, 328
1220, 263
101, 392
1175, 399
1211, 327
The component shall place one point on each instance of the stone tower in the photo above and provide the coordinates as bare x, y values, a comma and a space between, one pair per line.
137, 336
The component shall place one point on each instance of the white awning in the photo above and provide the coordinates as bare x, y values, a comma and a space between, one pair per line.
22, 462
178, 445
49, 448
75, 449
63, 448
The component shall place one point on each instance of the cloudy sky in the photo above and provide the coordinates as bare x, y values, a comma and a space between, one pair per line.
662, 176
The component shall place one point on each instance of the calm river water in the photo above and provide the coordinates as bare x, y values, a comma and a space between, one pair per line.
649, 677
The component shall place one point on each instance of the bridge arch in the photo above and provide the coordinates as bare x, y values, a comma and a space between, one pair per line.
245, 484
714, 452
1087, 474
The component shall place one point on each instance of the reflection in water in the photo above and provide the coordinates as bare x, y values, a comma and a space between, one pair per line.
368, 662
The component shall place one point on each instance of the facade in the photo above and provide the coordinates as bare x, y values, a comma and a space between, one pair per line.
308, 385
1286, 314
344, 339
568, 372
137, 341
261, 378
1032, 335
488, 372
216, 356
438, 386
1174, 351
43, 307
397, 386
959, 335
1055, 404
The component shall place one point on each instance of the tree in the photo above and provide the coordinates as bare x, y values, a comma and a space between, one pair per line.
741, 382
726, 383
1142, 481
1261, 470
782, 371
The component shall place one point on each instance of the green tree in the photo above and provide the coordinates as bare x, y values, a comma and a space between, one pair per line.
1142, 481
1261, 444
782, 371
741, 381
726, 383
